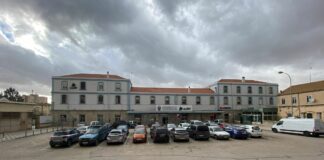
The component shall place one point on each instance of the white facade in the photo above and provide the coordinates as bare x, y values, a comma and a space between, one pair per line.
92, 91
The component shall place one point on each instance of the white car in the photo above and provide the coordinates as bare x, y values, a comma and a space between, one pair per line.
171, 126
218, 133
184, 125
253, 131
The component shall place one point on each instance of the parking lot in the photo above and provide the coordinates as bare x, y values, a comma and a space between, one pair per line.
271, 146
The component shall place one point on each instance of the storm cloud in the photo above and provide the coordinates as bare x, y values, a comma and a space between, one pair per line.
160, 43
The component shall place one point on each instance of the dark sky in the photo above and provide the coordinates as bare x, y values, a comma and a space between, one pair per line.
160, 43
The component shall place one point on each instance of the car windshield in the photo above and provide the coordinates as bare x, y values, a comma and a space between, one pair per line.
60, 133
162, 131
181, 131
93, 130
171, 125
122, 127
82, 128
185, 124
199, 123
114, 133
256, 128
202, 128
218, 129
139, 131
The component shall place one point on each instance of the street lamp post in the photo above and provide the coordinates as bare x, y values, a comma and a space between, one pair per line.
291, 101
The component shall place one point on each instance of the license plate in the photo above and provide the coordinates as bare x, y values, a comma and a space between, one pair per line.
84, 142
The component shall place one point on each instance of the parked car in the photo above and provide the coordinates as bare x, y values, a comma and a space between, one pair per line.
140, 135
199, 132
82, 129
184, 125
131, 124
218, 121
307, 127
140, 126
153, 128
124, 128
218, 133
161, 134
213, 124
95, 123
253, 131
196, 122
179, 134
170, 126
116, 136
81, 124
64, 137
237, 132
94, 135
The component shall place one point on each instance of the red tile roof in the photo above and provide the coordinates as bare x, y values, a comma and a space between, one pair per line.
238, 81
84, 75
303, 88
172, 90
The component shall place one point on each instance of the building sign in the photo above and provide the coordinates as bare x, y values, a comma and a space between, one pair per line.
174, 108
224, 108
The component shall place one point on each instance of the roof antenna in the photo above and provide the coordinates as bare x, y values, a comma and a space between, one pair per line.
310, 75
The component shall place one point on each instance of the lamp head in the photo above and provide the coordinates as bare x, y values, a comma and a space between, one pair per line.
280, 72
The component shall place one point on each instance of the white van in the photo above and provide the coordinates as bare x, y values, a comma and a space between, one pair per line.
307, 127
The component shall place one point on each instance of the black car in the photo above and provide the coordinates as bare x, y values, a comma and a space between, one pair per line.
153, 128
64, 137
199, 132
161, 134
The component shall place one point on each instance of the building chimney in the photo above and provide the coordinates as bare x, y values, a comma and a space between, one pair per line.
243, 79
107, 74
189, 89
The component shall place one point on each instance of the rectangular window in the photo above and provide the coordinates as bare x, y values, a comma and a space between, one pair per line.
238, 89
283, 101
294, 100
63, 99
238, 101
225, 88
271, 101
167, 100
63, 118
270, 90
82, 99
81, 118
100, 99
100, 86
184, 100
318, 115
117, 100
260, 90
198, 100
64, 85
212, 100
249, 89
260, 101
225, 100
117, 86
137, 100
100, 117
152, 99
310, 99
117, 117
83, 86
250, 101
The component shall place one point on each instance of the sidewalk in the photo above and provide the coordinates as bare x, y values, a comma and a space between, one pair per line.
21, 134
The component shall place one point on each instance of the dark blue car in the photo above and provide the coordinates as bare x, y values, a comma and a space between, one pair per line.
94, 135
65, 137
237, 132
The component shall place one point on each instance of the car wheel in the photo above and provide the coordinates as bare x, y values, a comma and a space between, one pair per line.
306, 133
52, 145
274, 130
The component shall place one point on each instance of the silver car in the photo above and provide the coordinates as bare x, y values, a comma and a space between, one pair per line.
178, 134
116, 136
